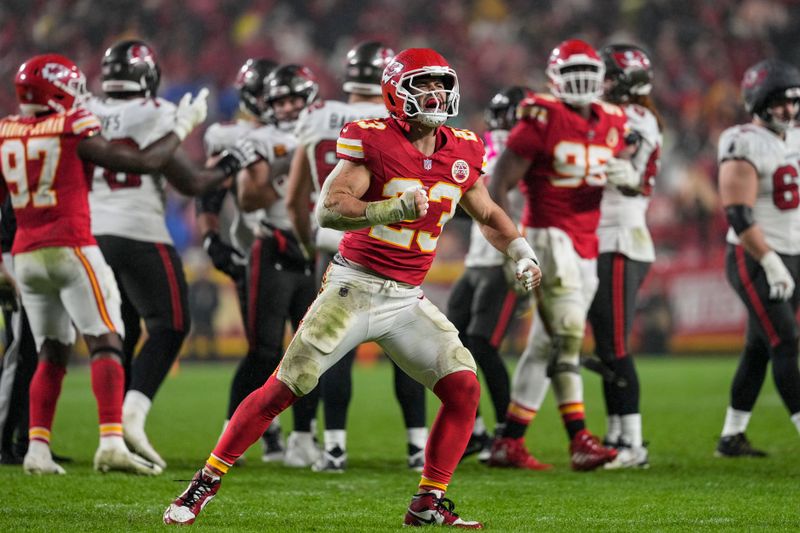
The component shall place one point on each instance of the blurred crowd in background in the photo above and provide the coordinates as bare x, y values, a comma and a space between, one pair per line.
700, 49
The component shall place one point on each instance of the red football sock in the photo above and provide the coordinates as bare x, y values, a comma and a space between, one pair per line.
251, 419
574, 416
108, 385
460, 393
45, 389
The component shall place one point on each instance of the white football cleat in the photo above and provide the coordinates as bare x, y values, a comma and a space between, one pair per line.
122, 460
301, 450
184, 509
39, 461
134, 415
138, 443
333, 461
629, 457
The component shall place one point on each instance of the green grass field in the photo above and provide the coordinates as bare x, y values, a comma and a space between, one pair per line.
686, 489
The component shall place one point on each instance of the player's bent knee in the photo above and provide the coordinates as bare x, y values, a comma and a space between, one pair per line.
300, 368
460, 388
107, 352
455, 358
567, 358
572, 322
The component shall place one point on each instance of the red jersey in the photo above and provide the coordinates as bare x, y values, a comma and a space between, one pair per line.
568, 153
47, 181
404, 252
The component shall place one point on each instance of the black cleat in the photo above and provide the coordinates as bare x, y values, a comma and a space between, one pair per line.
737, 446
477, 443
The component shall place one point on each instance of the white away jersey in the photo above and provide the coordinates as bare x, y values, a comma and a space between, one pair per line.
623, 226
131, 205
481, 253
218, 138
777, 163
317, 131
276, 147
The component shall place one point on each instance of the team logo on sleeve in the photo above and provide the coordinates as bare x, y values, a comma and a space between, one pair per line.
460, 171
612, 138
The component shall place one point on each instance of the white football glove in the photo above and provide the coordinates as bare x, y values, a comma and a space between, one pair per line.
781, 283
620, 172
525, 260
524, 274
244, 151
190, 112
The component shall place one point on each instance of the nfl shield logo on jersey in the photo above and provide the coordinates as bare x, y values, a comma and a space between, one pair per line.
427, 164
460, 171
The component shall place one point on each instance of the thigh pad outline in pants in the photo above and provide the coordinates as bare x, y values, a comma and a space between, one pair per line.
424, 343
568, 282
335, 323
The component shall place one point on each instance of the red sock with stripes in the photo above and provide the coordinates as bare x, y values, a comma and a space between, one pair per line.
573, 415
45, 389
108, 385
460, 393
251, 420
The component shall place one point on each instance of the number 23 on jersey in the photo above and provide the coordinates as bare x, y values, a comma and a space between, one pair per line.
426, 238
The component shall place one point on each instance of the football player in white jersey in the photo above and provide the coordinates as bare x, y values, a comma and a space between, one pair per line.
280, 277
759, 165
229, 255
317, 131
626, 252
128, 223
483, 300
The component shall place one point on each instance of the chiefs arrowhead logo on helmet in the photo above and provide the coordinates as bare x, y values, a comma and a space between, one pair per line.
391, 69
54, 71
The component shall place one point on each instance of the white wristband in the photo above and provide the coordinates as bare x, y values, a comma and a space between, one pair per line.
520, 249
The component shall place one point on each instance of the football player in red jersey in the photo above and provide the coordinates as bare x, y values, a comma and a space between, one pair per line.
63, 278
562, 152
398, 182
317, 131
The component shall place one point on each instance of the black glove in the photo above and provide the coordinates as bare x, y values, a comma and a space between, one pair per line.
211, 202
241, 155
8, 298
9, 294
224, 257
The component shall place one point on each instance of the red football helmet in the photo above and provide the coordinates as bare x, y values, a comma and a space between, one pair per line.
406, 101
576, 72
49, 82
